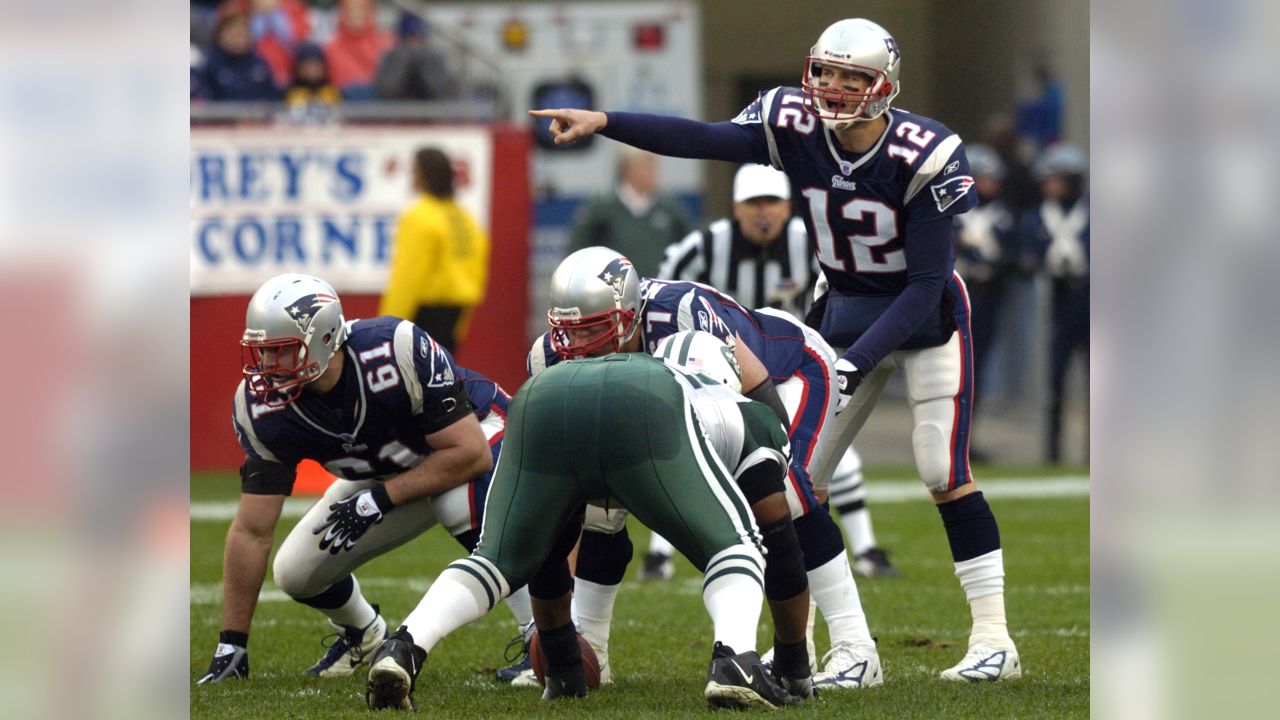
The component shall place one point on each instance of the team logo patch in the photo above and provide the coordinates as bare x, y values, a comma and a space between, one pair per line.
441, 368
946, 193
615, 276
304, 310
750, 115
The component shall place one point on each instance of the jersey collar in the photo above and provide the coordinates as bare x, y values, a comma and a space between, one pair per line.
846, 167
361, 405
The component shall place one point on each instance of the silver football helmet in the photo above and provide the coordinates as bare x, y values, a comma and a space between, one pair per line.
701, 352
1060, 159
855, 45
595, 303
984, 161
293, 327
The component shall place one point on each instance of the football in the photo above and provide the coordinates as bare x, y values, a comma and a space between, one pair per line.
590, 663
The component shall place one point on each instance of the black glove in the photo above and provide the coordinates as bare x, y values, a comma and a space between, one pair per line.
817, 310
229, 661
351, 517
849, 378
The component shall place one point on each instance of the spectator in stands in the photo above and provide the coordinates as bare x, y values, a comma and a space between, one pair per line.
311, 88
277, 27
356, 48
1056, 235
441, 261
231, 69
412, 70
634, 219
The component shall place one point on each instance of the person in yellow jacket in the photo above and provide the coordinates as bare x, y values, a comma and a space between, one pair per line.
440, 264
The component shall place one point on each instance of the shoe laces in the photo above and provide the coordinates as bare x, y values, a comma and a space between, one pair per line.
516, 649
842, 650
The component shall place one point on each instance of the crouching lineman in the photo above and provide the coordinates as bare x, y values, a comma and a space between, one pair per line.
666, 458
380, 404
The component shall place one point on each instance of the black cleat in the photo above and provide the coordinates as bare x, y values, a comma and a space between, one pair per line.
657, 567
393, 671
874, 563
570, 683
741, 681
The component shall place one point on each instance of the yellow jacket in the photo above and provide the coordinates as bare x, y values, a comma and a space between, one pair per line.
441, 258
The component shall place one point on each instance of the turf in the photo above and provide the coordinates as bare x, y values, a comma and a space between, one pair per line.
661, 635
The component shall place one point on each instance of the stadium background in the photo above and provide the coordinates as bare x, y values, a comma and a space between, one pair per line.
962, 63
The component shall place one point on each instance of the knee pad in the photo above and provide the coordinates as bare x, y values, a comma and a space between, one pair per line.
931, 442
603, 558
820, 539
605, 521
293, 577
784, 575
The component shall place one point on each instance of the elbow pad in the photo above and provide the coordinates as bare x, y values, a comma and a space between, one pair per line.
766, 393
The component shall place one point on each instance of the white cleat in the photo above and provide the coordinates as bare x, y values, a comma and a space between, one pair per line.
985, 664
606, 672
849, 667
526, 679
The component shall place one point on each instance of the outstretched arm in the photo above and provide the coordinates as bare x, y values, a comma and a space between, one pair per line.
670, 136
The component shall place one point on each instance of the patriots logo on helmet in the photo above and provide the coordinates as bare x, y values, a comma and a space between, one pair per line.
615, 276
945, 194
304, 310
892, 45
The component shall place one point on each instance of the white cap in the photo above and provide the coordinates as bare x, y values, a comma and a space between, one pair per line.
753, 181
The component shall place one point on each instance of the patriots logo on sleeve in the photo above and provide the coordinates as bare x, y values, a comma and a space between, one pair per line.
946, 193
441, 369
304, 310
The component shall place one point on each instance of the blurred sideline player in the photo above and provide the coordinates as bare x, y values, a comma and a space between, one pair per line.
601, 305
761, 258
411, 436
880, 189
662, 460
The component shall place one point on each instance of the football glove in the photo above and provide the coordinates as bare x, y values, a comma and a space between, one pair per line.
229, 661
848, 379
350, 518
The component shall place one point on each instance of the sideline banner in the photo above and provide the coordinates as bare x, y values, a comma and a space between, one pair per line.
323, 201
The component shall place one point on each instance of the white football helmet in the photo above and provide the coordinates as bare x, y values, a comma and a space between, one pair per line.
701, 352
859, 46
595, 303
1060, 159
984, 161
293, 327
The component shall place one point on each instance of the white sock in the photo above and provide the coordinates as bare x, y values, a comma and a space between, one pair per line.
519, 605
355, 612
464, 592
983, 581
857, 527
733, 592
593, 610
833, 589
659, 545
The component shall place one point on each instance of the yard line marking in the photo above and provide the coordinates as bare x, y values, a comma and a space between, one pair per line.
882, 491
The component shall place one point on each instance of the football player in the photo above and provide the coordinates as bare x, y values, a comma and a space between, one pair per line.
600, 305
879, 189
686, 455
411, 436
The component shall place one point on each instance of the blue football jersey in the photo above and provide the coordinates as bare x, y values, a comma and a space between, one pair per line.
856, 207
670, 306
398, 385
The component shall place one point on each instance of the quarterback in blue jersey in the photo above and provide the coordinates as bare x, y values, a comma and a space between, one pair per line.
601, 305
878, 189
411, 436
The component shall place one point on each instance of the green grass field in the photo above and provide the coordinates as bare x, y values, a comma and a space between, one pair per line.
660, 645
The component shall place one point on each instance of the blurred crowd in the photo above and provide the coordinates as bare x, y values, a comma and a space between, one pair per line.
313, 54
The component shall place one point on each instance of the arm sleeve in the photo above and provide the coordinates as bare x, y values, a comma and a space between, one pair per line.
678, 137
928, 264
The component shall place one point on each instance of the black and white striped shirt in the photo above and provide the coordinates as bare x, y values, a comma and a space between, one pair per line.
779, 275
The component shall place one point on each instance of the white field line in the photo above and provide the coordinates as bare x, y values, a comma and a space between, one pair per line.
878, 492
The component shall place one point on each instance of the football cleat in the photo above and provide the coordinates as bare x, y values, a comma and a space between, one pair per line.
874, 563
657, 567
573, 684
393, 672
985, 664
517, 653
849, 667
229, 661
602, 657
741, 681
350, 647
